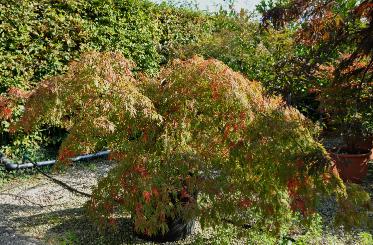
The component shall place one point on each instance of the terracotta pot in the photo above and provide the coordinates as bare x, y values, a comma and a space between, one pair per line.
365, 143
352, 167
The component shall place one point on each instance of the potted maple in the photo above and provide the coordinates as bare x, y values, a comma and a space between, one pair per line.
337, 36
353, 156
348, 103
198, 127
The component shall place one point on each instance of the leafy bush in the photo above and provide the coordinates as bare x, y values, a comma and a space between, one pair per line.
267, 55
353, 211
365, 238
181, 27
38, 38
348, 105
203, 129
234, 40
99, 86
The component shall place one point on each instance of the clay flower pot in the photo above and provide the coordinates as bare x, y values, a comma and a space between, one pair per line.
367, 143
352, 167
361, 143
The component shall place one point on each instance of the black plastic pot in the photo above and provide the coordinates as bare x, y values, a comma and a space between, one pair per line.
178, 230
178, 227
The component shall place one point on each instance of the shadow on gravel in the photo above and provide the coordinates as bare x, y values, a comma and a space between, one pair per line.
71, 226
77, 229
9, 234
7, 210
9, 237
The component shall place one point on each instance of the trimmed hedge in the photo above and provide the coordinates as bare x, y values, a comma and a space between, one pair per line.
39, 37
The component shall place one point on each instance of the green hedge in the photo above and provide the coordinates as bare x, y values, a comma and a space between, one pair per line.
39, 37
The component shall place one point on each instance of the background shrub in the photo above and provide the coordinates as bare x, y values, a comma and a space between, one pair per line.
267, 55
38, 38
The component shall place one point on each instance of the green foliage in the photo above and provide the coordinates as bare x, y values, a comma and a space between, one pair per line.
266, 55
24, 144
196, 127
225, 235
100, 86
349, 108
366, 238
354, 210
69, 238
181, 27
38, 38
229, 234
234, 41
222, 234
336, 39
125, 26
314, 233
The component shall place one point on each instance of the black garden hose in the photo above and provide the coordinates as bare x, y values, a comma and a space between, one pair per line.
10, 165
58, 182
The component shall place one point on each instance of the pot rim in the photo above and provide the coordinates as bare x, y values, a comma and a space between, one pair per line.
352, 155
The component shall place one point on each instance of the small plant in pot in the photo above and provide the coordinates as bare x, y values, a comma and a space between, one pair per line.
198, 127
349, 105
357, 133
338, 38
352, 158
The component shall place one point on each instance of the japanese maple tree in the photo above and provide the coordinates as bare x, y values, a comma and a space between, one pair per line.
198, 127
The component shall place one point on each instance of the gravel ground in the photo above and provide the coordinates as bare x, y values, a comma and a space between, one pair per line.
37, 211
339, 235
328, 207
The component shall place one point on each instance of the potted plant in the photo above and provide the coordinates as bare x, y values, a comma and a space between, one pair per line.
178, 227
349, 106
352, 158
338, 37
198, 127
347, 102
